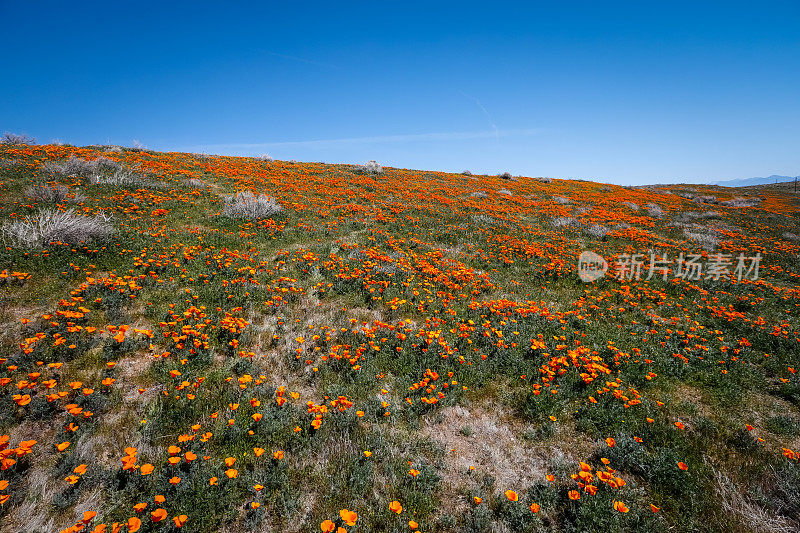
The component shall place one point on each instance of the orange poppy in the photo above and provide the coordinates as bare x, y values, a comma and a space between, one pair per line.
133, 524
348, 517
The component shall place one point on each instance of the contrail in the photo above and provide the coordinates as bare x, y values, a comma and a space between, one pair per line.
488, 116
300, 59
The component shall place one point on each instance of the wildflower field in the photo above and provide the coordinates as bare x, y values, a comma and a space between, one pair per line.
207, 343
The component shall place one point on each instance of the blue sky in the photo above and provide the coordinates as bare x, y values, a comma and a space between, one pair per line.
633, 92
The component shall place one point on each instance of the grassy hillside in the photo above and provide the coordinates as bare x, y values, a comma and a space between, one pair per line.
386, 350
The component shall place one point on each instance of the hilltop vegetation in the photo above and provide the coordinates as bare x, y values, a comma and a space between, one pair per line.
211, 343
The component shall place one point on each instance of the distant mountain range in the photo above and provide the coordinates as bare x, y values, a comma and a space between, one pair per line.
755, 181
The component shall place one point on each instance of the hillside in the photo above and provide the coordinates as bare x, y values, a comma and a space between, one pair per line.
747, 182
385, 349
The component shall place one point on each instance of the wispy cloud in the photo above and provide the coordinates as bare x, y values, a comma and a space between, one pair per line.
382, 139
300, 59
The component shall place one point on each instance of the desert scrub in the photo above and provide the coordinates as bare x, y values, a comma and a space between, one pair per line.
46, 193
52, 225
371, 167
247, 205
16, 139
195, 183
77, 166
654, 210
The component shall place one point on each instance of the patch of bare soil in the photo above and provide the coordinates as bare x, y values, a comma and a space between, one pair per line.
480, 437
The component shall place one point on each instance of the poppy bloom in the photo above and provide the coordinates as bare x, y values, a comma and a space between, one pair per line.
395, 507
349, 517
477, 500
535, 507
327, 526
133, 524
654, 508
231, 473
683, 466
621, 507
574, 495
611, 442
174, 480
511, 495
180, 520
158, 515
63, 446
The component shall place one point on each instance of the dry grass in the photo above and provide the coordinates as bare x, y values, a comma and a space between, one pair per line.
755, 518
491, 445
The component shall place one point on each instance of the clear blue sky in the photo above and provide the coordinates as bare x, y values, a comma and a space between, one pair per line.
634, 92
